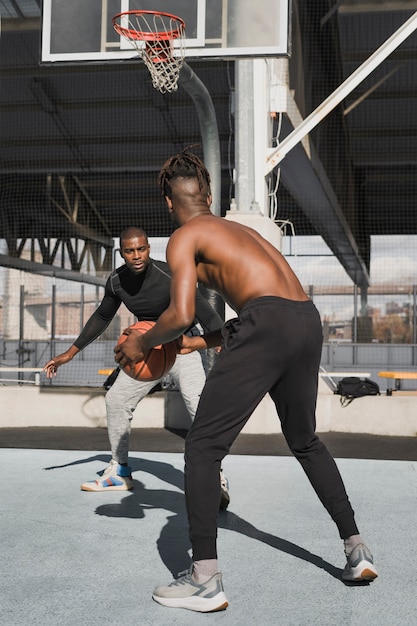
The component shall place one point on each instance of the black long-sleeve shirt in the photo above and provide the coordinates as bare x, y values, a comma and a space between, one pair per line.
146, 295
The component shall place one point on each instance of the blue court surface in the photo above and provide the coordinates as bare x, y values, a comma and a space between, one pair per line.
77, 558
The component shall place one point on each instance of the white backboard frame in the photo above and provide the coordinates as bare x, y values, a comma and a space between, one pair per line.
248, 24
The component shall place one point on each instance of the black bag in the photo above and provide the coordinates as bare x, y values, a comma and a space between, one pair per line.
111, 378
353, 387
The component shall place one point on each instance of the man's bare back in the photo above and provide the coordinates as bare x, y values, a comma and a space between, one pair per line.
235, 261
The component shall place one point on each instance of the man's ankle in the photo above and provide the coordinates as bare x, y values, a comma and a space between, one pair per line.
203, 570
351, 542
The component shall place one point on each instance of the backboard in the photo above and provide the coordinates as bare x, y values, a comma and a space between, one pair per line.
82, 30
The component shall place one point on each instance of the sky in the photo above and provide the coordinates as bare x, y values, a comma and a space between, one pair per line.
393, 261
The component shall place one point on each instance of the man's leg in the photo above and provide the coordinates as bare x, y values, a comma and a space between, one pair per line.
121, 400
295, 396
189, 375
230, 395
208, 441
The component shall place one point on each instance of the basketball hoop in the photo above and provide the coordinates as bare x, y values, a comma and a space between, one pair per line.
159, 39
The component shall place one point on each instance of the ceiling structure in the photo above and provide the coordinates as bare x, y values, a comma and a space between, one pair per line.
44, 138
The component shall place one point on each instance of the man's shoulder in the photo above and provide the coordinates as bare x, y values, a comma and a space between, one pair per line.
160, 264
114, 278
161, 267
117, 273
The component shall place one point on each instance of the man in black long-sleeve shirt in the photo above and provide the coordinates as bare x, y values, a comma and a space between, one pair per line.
143, 285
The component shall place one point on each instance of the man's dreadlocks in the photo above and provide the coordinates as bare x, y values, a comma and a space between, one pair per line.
185, 164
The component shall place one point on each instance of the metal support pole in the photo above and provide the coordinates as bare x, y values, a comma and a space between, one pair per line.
340, 93
53, 315
20, 351
211, 151
355, 324
245, 153
364, 301
82, 303
208, 128
414, 324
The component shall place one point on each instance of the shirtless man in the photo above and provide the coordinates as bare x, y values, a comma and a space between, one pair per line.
271, 347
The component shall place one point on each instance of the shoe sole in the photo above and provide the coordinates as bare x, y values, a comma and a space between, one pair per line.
101, 489
195, 603
361, 572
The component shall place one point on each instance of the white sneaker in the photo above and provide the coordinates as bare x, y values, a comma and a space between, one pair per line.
185, 593
114, 478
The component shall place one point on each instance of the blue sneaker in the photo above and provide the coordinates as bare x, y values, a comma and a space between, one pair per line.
115, 478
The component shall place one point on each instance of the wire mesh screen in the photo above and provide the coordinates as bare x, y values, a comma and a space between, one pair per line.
82, 146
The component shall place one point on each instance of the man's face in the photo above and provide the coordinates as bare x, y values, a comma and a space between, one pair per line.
135, 252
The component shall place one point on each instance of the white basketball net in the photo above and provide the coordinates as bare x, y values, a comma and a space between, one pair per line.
159, 40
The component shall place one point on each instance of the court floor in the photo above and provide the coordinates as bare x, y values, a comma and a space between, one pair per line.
75, 558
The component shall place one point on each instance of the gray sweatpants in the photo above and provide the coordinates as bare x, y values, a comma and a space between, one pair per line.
126, 393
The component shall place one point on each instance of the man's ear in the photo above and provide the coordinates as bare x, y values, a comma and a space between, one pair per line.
168, 200
209, 200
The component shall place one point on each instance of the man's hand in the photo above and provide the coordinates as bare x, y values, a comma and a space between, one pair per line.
131, 350
186, 344
52, 365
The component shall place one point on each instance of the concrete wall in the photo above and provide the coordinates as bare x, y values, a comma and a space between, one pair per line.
23, 406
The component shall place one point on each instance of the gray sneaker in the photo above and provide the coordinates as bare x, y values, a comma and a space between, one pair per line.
224, 490
185, 593
360, 565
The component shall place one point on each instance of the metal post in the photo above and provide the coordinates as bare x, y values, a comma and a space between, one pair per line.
245, 153
414, 324
355, 323
208, 128
341, 93
53, 315
211, 150
82, 308
20, 352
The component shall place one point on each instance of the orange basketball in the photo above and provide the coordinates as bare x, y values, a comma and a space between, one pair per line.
157, 362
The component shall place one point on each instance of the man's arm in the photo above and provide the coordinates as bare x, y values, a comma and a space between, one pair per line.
187, 344
209, 319
94, 327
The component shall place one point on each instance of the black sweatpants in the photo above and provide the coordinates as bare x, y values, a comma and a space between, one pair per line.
274, 347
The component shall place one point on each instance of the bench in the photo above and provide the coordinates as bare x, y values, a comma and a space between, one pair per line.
106, 371
398, 377
37, 371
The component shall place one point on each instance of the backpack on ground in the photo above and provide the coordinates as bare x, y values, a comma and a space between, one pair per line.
353, 387
111, 378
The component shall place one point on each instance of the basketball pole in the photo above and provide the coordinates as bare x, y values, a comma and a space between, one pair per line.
208, 128
200, 95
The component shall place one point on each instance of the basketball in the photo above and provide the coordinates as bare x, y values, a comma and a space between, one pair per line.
157, 362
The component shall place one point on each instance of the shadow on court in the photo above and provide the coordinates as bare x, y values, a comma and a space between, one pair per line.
173, 544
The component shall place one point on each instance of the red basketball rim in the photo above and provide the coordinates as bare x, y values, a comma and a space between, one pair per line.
132, 33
